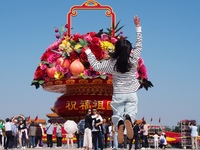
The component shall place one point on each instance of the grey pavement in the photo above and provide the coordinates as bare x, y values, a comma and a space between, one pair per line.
65, 148
75, 145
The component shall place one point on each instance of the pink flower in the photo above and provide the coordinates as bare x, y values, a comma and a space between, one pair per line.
53, 57
86, 72
64, 70
113, 40
43, 66
137, 74
140, 62
87, 37
104, 37
143, 72
54, 45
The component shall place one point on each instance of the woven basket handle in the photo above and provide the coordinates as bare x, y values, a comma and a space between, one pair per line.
90, 5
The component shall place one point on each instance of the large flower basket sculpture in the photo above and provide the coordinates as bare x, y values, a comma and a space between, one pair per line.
64, 67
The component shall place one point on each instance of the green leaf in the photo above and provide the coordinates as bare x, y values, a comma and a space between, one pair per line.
83, 42
109, 30
78, 50
117, 35
103, 76
73, 43
50, 65
86, 77
65, 55
62, 29
41, 82
45, 62
34, 81
96, 76
56, 52
119, 29
116, 25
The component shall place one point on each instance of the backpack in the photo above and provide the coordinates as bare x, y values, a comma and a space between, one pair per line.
162, 141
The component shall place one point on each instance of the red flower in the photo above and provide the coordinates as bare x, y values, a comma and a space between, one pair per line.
47, 79
92, 34
97, 51
95, 41
39, 73
73, 56
83, 56
46, 55
77, 36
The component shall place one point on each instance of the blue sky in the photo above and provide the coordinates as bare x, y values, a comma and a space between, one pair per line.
171, 36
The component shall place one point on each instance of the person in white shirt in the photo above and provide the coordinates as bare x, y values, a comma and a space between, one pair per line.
194, 134
49, 132
144, 130
155, 136
163, 141
8, 129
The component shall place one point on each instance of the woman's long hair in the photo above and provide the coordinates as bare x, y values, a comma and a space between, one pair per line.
122, 53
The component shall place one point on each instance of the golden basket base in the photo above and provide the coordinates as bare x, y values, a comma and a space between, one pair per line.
70, 86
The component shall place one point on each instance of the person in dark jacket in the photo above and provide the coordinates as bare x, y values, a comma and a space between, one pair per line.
136, 130
39, 135
87, 140
32, 134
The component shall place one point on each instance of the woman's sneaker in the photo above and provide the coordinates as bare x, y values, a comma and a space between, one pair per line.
128, 126
120, 136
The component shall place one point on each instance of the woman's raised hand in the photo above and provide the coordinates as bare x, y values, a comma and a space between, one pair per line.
137, 21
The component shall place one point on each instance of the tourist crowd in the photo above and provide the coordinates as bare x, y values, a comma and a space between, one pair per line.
94, 132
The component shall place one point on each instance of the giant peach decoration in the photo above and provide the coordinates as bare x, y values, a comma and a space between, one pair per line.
51, 71
64, 63
76, 67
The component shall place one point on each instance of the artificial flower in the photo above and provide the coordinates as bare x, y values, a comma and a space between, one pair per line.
106, 45
39, 73
58, 75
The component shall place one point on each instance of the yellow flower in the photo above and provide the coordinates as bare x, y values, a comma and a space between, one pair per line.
77, 46
68, 44
81, 74
58, 75
106, 45
64, 42
62, 46
68, 49
65, 46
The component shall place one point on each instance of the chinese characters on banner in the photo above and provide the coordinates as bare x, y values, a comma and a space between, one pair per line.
82, 105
